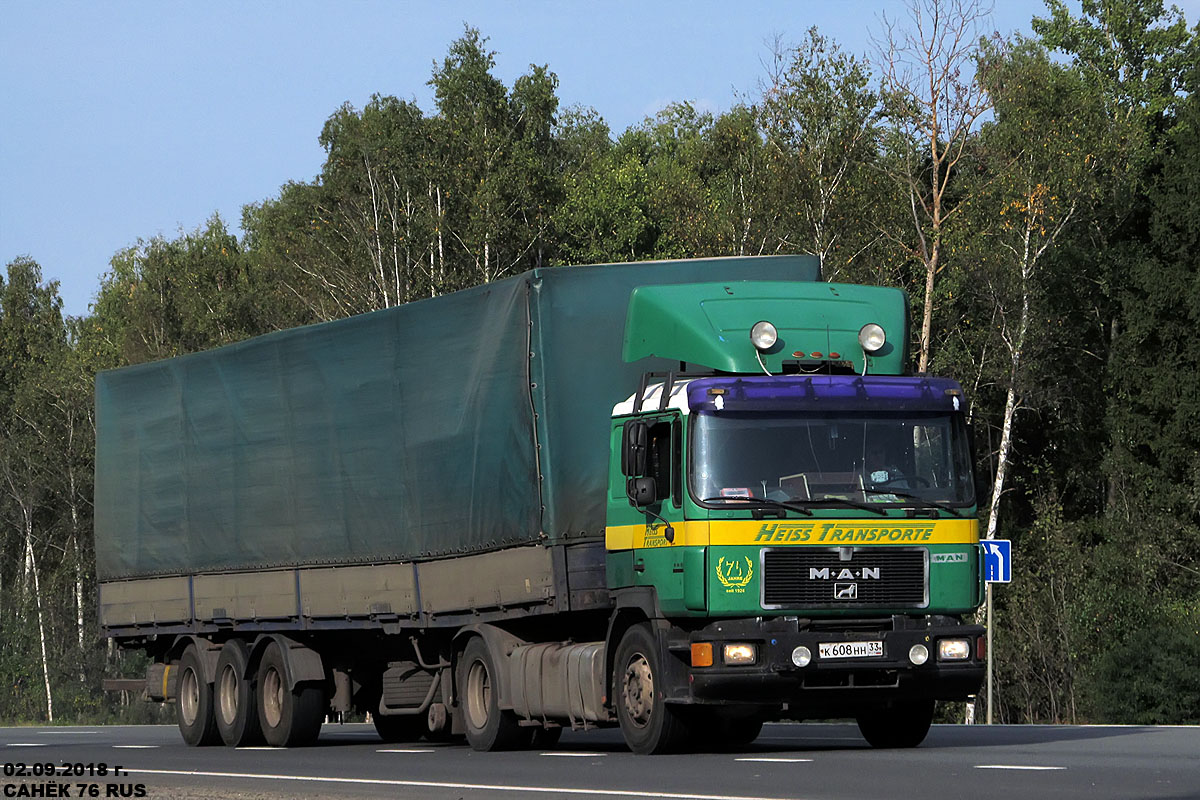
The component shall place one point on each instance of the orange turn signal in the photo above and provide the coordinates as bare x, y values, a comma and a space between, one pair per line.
702, 654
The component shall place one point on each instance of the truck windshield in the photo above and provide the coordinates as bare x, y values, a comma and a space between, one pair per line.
884, 459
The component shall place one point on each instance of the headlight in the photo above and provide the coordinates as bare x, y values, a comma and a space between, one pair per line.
739, 654
802, 656
954, 649
918, 654
764, 335
872, 337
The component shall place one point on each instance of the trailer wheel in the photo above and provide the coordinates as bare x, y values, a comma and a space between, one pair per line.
488, 728
648, 724
399, 728
235, 699
288, 718
194, 702
901, 725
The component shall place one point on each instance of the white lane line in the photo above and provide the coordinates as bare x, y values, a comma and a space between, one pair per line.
26, 744
414, 750
777, 760
135, 746
260, 748
484, 787
575, 755
1014, 766
68, 732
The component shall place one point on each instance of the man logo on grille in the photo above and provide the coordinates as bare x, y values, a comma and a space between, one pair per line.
845, 591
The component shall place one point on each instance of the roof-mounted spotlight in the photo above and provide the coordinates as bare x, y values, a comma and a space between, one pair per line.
764, 335
872, 337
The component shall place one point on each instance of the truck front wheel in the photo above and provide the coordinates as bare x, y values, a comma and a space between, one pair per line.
289, 718
648, 723
236, 708
904, 724
488, 728
194, 702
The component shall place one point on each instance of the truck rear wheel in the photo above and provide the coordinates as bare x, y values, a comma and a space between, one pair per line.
288, 718
903, 724
648, 723
488, 728
194, 702
235, 701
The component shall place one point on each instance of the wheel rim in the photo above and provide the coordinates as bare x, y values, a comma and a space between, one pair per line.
637, 690
227, 694
189, 696
272, 694
479, 694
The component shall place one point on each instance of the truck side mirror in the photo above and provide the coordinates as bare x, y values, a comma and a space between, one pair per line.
633, 448
642, 492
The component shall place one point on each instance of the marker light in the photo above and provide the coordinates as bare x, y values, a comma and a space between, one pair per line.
918, 654
764, 335
802, 656
702, 655
954, 649
871, 337
739, 654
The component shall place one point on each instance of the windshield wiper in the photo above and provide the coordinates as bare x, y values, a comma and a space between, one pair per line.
761, 502
921, 501
845, 501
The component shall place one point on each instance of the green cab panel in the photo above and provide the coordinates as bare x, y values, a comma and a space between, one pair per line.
709, 324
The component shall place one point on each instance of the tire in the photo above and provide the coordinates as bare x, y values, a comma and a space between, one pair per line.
488, 728
648, 724
903, 724
287, 718
399, 728
738, 732
194, 702
545, 738
235, 702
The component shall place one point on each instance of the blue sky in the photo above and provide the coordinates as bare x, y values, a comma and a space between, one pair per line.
126, 120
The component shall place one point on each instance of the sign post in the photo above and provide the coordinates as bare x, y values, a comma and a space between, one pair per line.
997, 568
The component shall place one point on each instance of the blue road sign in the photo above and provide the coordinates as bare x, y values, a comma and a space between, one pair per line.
997, 560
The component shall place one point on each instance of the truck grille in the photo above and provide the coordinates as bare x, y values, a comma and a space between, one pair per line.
882, 577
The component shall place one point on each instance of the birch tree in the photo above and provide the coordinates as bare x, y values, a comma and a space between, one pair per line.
933, 102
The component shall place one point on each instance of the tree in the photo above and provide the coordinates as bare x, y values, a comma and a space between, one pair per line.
820, 119
932, 110
32, 345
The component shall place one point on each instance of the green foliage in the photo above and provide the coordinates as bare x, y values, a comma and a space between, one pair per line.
1149, 677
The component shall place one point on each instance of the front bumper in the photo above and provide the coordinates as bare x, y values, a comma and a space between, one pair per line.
835, 686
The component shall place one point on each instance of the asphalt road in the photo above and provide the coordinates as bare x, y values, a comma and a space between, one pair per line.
812, 761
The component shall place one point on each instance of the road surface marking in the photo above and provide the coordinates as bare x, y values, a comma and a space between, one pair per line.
776, 760
1013, 766
414, 750
26, 744
260, 748
68, 732
575, 755
485, 787
135, 746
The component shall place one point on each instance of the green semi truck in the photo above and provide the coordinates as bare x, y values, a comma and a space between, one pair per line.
681, 497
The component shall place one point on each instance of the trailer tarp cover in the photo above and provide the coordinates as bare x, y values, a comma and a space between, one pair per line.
408, 433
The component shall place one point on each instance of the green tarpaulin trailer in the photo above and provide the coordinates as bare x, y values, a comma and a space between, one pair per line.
455, 425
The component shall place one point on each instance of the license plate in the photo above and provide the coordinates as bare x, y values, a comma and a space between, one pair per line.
850, 649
